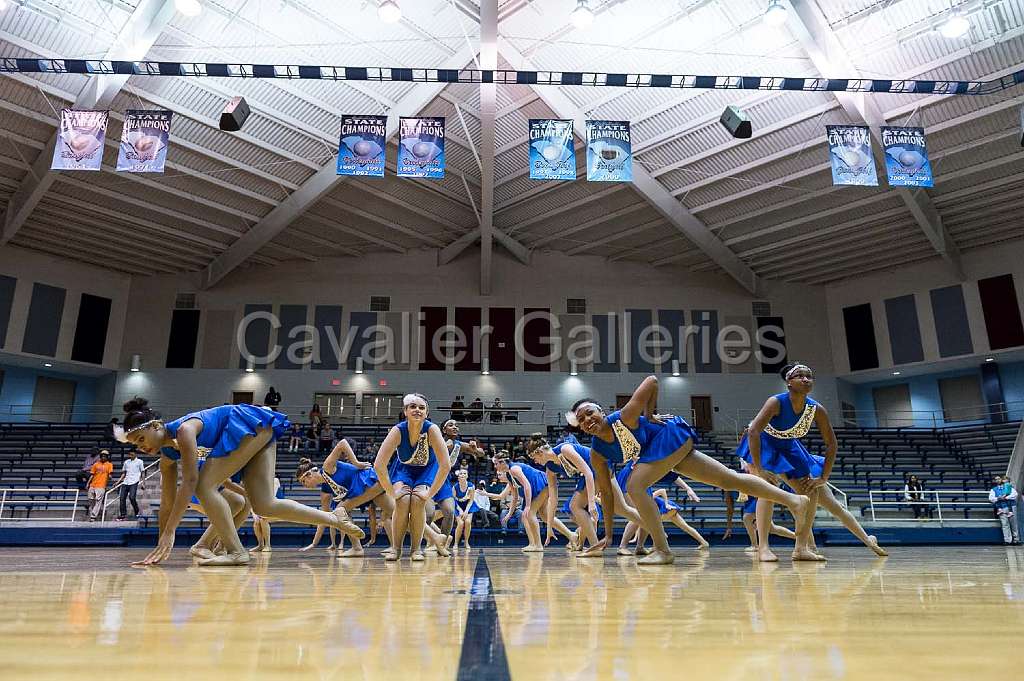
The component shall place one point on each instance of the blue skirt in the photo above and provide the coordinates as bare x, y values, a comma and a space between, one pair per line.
243, 421
444, 493
415, 476
750, 505
622, 477
470, 507
674, 434
665, 506
784, 457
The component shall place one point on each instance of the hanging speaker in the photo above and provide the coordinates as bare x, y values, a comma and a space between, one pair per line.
735, 120
234, 114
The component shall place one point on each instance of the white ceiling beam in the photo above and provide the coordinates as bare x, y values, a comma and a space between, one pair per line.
603, 193
510, 244
317, 186
357, 233
648, 187
143, 27
643, 227
383, 222
810, 27
614, 215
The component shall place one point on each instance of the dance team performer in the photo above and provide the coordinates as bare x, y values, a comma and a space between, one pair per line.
772, 448
212, 445
661, 445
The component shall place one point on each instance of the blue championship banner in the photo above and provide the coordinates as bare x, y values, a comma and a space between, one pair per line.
80, 140
609, 151
361, 150
144, 138
906, 157
552, 150
850, 152
421, 147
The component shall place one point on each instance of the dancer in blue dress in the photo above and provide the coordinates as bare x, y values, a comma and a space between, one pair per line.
667, 510
569, 458
350, 486
465, 505
773, 449
422, 468
212, 446
444, 500
535, 490
661, 445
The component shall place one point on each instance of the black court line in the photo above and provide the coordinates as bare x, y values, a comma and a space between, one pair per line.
483, 651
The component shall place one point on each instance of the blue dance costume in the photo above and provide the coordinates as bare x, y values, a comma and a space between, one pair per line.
564, 467
622, 477
347, 482
538, 481
468, 506
445, 492
648, 443
781, 449
225, 427
417, 463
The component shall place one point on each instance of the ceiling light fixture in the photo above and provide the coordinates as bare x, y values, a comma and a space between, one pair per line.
955, 27
776, 14
190, 8
389, 12
582, 16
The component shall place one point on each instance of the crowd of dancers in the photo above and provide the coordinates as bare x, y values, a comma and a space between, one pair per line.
227, 460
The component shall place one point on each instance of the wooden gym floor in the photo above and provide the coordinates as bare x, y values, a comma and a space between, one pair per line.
923, 613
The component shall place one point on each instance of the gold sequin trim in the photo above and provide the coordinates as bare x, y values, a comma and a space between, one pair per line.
339, 491
799, 429
627, 442
420, 455
567, 466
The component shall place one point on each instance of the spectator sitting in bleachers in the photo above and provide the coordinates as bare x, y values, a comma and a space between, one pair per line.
476, 411
108, 432
326, 437
913, 492
295, 438
1004, 500
100, 475
83, 475
497, 415
457, 407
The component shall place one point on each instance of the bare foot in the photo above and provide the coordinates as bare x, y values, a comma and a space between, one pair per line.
656, 557
875, 547
533, 549
750, 549
807, 554
418, 557
352, 553
624, 552
766, 556
227, 559
345, 524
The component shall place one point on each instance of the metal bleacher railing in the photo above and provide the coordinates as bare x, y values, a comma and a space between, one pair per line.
26, 497
958, 504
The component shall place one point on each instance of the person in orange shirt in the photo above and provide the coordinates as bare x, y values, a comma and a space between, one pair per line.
100, 475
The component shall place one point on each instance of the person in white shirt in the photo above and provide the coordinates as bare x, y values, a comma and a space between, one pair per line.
482, 500
131, 476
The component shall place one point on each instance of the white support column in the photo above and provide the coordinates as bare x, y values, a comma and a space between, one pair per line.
810, 27
488, 106
133, 41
